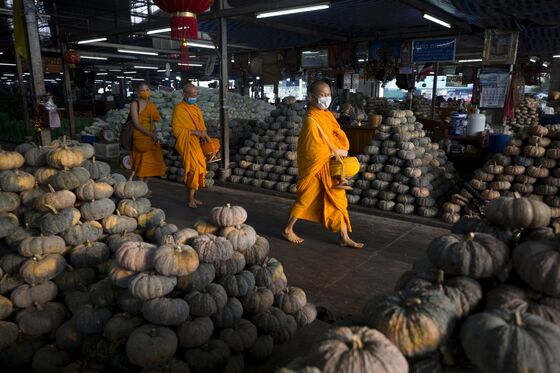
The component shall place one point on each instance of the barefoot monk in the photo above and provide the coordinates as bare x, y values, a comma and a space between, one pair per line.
189, 130
318, 199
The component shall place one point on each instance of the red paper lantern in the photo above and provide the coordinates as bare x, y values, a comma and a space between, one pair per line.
72, 58
183, 21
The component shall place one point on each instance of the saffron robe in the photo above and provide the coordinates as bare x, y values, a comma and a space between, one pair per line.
146, 154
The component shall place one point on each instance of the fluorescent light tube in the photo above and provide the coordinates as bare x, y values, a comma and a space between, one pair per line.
556, 56
146, 67
159, 31
129, 72
136, 52
115, 71
120, 77
7, 64
301, 9
6, 74
545, 64
163, 70
437, 20
1, 53
102, 74
533, 60
93, 58
200, 45
91, 40
137, 80
190, 64
470, 60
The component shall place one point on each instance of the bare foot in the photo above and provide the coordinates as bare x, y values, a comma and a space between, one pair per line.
291, 236
192, 204
347, 242
198, 202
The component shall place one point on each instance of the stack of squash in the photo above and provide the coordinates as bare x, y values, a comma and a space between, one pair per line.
402, 170
528, 166
176, 171
485, 299
268, 158
93, 278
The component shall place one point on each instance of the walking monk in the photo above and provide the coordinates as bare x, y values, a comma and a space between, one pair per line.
317, 200
146, 154
189, 130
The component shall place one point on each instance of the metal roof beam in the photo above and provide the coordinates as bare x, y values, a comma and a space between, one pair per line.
435, 11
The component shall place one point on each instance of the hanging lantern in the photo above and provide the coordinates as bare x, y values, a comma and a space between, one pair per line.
72, 58
183, 21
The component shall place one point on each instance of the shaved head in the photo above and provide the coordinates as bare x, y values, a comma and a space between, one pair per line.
190, 90
317, 86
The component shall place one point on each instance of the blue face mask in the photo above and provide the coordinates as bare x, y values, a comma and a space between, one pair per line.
191, 100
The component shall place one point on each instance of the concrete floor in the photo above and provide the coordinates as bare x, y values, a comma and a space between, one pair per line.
337, 278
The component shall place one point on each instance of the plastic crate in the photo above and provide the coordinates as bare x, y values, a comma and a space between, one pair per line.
106, 150
89, 139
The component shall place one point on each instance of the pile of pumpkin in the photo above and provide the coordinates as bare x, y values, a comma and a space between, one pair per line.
527, 113
528, 166
486, 299
402, 170
92, 278
268, 158
176, 171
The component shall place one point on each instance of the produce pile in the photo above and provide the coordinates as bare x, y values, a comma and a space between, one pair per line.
402, 170
528, 166
92, 278
377, 105
527, 113
176, 172
486, 299
268, 158
421, 106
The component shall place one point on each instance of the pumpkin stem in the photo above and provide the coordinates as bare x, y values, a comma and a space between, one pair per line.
53, 210
37, 306
88, 243
470, 236
518, 321
51, 189
357, 343
118, 212
228, 205
516, 195
93, 159
411, 302
440, 277
131, 176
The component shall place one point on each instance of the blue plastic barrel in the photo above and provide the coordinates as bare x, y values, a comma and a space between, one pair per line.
497, 143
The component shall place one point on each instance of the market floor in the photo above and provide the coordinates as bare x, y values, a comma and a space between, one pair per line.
339, 279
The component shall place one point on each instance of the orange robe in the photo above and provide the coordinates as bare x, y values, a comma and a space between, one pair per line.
316, 200
188, 118
146, 155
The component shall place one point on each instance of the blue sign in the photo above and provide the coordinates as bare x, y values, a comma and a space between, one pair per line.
434, 50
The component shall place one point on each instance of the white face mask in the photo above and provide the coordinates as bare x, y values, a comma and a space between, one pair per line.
324, 102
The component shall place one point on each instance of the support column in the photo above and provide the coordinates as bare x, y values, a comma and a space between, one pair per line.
68, 96
35, 59
224, 84
24, 107
434, 91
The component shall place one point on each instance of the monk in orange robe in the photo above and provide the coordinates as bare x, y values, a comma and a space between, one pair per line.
190, 131
146, 154
317, 199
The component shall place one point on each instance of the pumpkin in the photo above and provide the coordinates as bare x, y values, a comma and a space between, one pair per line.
91, 320
198, 280
175, 260
207, 302
97, 210
211, 357
55, 222
357, 350
148, 285
74, 279
305, 315
97, 170
514, 212
27, 295
228, 216
42, 268
202, 226
69, 179
162, 233
173, 365
262, 348
537, 172
420, 192
82, 232
196, 332
68, 337
241, 336
464, 292
120, 326
231, 266
151, 345
513, 298
121, 277
10, 160
9, 201
538, 264
151, 219
538, 130
115, 224
545, 162
21, 352
136, 256
29, 197
56, 199
523, 188
477, 255
129, 303
490, 194
525, 179
37, 157
64, 158
290, 300
242, 237
165, 311
416, 321
238, 285
16, 181
42, 245
50, 359
268, 272
258, 300
534, 151
115, 241
6, 307
89, 254
491, 339
130, 189
212, 249
184, 236
92, 191
134, 207
41, 318
229, 314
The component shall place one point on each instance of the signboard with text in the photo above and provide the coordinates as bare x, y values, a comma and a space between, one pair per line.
434, 50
